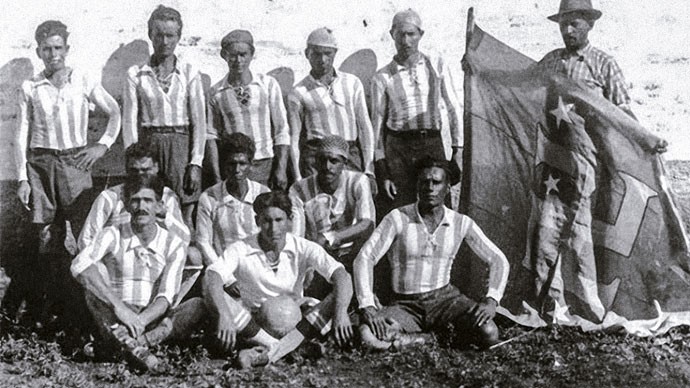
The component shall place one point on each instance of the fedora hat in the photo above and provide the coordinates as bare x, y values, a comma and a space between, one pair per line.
570, 6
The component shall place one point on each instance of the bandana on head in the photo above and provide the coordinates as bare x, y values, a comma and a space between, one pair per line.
237, 36
408, 16
334, 144
322, 37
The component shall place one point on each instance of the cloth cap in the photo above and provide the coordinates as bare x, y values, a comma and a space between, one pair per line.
237, 36
334, 144
408, 16
572, 6
322, 37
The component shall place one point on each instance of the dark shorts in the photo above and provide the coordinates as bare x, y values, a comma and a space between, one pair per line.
307, 161
173, 150
431, 311
56, 183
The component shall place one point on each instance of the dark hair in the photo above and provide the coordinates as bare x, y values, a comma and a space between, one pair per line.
237, 143
429, 162
134, 184
51, 28
165, 14
140, 151
277, 199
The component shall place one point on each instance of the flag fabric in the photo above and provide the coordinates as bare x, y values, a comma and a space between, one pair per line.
568, 186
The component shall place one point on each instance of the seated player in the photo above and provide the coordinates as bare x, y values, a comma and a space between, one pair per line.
131, 295
224, 213
421, 241
271, 264
334, 207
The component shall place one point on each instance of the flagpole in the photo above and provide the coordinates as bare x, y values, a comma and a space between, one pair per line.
466, 119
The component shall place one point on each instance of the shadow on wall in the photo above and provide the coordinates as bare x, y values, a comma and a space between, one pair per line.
286, 79
363, 64
12, 214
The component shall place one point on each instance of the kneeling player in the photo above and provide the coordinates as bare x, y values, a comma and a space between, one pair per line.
270, 264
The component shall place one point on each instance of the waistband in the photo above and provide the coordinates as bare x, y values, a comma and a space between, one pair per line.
414, 134
424, 295
50, 151
168, 129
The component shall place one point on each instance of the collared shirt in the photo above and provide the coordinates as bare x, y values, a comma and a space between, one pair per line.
55, 118
245, 263
421, 260
315, 212
592, 66
223, 219
137, 273
146, 104
317, 110
262, 118
109, 209
408, 99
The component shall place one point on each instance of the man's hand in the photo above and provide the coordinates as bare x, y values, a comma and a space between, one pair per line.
342, 329
226, 332
278, 180
484, 311
375, 321
389, 189
660, 146
24, 193
374, 186
87, 157
192, 179
131, 321
233, 290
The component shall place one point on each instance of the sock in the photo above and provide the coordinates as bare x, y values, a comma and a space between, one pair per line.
286, 345
263, 338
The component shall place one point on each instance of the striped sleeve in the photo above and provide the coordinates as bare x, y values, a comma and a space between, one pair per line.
22, 140
130, 108
364, 201
173, 216
364, 127
490, 254
298, 216
279, 122
197, 116
453, 106
379, 109
171, 277
100, 211
204, 228
372, 251
104, 242
213, 117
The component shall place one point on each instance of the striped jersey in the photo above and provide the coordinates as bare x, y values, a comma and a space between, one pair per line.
408, 99
316, 110
259, 278
137, 273
262, 116
223, 219
420, 259
109, 209
146, 104
55, 118
315, 212
592, 66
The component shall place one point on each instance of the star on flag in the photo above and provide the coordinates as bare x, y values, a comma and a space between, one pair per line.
561, 112
551, 184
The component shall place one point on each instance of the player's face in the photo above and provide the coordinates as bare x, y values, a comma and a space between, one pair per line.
52, 52
239, 56
142, 167
321, 59
329, 166
432, 186
164, 35
406, 37
143, 207
274, 224
574, 30
237, 167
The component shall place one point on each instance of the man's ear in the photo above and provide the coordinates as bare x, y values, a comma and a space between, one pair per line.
224, 54
160, 208
67, 49
392, 32
306, 52
421, 32
38, 51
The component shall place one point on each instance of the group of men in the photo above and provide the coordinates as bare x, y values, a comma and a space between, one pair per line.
256, 239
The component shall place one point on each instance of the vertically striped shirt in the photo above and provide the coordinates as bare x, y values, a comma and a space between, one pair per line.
223, 219
109, 209
315, 212
55, 118
137, 273
262, 118
146, 104
592, 66
246, 263
317, 110
408, 99
420, 259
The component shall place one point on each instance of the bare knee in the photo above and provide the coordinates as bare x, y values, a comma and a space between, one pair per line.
488, 334
194, 257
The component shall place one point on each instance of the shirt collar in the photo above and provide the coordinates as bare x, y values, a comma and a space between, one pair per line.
580, 54
290, 247
157, 245
445, 221
146, 68
421, 61
248, 196
41, 78
225, 84
336, 76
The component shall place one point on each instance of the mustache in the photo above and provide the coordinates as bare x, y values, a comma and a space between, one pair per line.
141, 213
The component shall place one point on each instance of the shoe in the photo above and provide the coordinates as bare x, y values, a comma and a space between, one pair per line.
249, 358
137, 355
406, 340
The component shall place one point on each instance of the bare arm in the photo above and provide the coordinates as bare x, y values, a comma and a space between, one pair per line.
295, 119
130, 110
204, 230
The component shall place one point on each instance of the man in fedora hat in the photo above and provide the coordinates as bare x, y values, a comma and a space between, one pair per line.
579, 60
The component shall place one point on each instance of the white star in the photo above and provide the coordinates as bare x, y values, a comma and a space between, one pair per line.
551, 184
561, 112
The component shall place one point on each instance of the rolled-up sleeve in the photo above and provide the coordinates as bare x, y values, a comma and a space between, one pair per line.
197, 113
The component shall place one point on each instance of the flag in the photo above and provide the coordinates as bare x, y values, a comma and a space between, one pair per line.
568, 186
